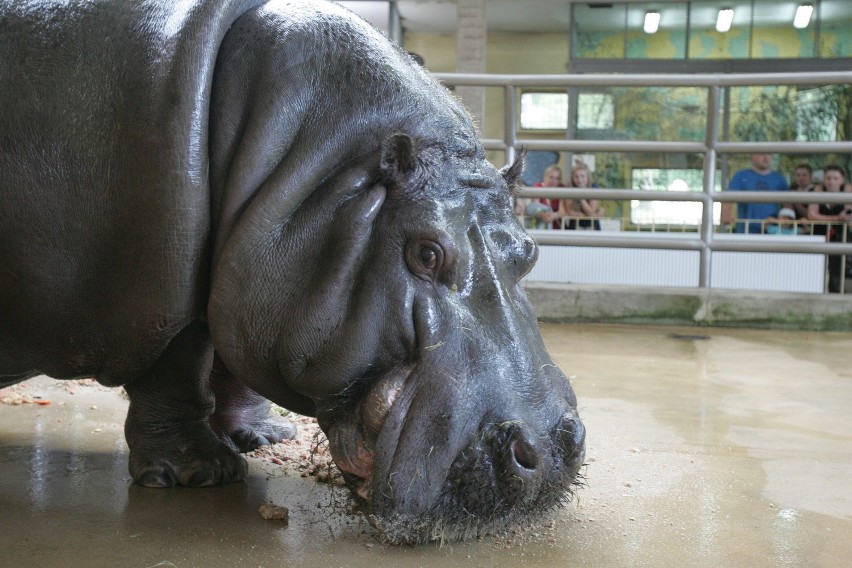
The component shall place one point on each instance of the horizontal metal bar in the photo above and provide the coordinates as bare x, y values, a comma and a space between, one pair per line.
695, 196
584, 239
656, 80
674, 147
679, 147
612, 194
783, 196
746, 244
494, 144
695, 66
615, 146
783, 147
755, 245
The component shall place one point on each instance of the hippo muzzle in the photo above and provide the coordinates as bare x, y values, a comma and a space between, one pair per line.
452, 463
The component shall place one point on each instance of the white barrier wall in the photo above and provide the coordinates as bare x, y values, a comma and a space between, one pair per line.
782, 272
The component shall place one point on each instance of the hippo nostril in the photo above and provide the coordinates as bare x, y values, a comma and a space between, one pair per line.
524, 454
571, 436
516, 447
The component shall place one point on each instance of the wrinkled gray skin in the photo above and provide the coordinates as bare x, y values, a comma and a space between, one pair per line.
215, 200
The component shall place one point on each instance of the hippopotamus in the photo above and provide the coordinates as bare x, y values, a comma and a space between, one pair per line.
220, 203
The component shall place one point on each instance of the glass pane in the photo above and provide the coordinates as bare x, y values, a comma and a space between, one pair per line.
659, 113
544, 111
598, 31
835, 38
816, 113
669, 212
668, 42
595, 110
774, 35
706, 42
761, 29
789, 112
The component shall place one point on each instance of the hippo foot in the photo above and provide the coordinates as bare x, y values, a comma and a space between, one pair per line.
195, 457
270, 430
243, 418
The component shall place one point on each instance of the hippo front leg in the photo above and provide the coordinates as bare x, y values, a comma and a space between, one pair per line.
167, 430
243, 416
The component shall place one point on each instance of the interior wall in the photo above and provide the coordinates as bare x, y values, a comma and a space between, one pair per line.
437, 50
507, 52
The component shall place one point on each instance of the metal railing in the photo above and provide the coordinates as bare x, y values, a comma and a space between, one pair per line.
711, 148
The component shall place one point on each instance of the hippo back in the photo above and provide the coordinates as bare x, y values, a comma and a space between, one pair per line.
104, 197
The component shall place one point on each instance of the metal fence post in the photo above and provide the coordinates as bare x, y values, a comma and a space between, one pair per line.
509, 128
705, 267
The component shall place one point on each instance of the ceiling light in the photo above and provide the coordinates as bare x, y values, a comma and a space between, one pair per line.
803, 16
723, 22
652, 22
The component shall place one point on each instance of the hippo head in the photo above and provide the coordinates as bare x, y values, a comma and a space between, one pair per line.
394, 312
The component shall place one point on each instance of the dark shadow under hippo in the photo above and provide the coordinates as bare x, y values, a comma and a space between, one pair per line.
216, 203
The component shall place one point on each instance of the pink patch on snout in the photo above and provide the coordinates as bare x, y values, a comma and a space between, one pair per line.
358, 462
376, 405
353, 443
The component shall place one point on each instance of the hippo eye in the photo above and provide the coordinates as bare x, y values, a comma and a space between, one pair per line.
424, 259
428, 257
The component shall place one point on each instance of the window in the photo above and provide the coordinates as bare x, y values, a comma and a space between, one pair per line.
761, 29
816, 115
670, 212
549, 111
544, 111
595, 111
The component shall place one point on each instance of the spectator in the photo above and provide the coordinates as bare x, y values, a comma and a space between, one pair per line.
829, 219
784, 224
539, 215
547, 210
759, 177
586, 211
803, 180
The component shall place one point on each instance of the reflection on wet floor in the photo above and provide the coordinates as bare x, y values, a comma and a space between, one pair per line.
707, 447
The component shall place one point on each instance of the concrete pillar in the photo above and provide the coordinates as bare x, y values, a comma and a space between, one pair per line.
471, 40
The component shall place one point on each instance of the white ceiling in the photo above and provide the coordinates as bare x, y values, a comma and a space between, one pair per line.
554, 15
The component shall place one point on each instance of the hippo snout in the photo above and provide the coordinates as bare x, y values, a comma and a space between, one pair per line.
513, 469
570, 436
523, 451
525, 454
518, 454
524, 460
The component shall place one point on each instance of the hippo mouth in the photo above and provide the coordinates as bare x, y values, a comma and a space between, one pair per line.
501, 480
503, 474
353, 437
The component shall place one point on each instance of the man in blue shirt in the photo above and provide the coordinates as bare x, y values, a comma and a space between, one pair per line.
759, 177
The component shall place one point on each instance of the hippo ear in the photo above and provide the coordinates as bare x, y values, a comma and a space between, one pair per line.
399, 158
513, 172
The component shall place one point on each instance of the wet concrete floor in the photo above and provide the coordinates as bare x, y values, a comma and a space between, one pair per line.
707, 447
